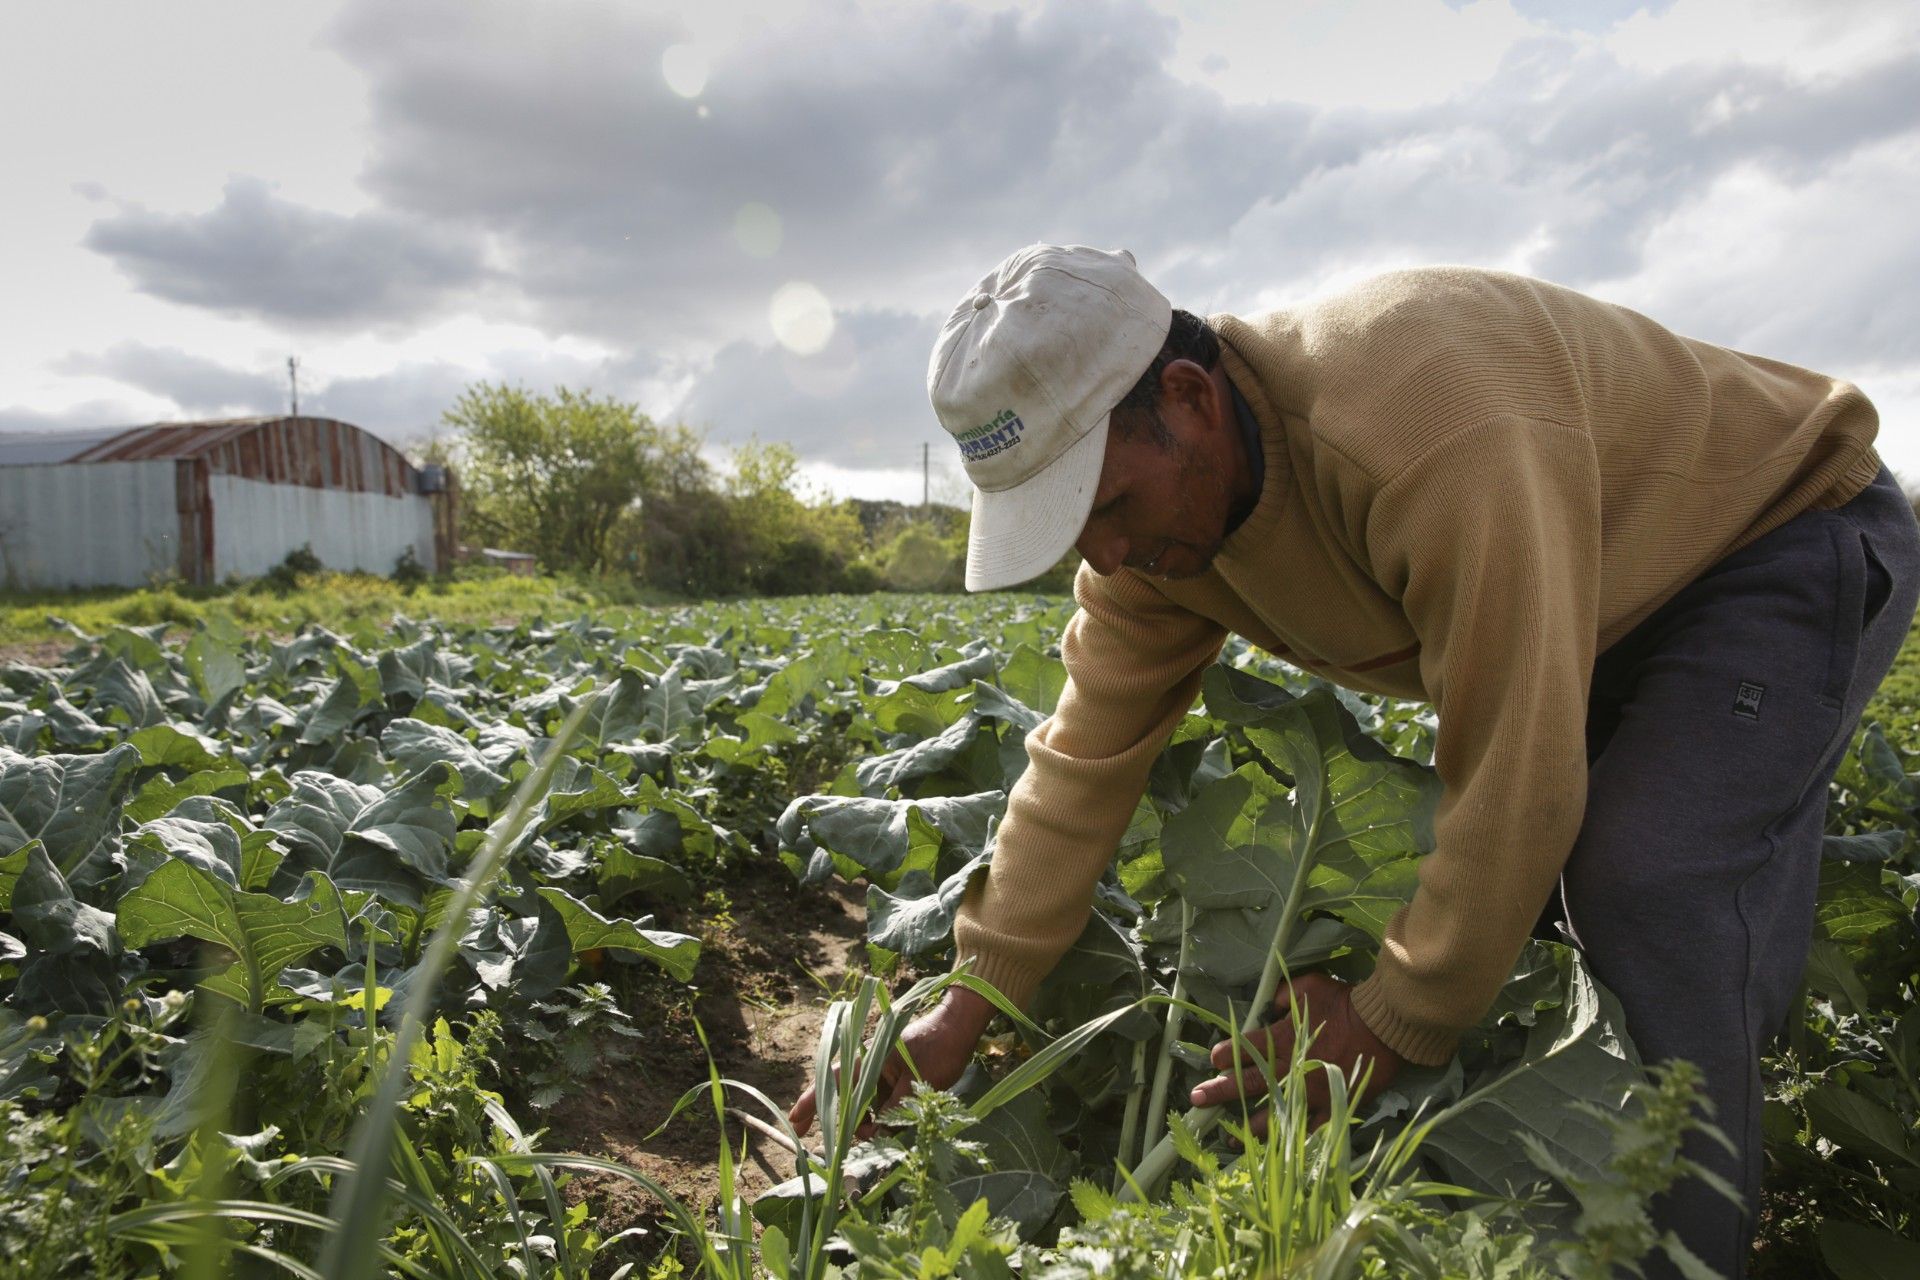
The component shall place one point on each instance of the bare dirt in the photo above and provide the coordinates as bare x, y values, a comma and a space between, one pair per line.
765, 978
35, 653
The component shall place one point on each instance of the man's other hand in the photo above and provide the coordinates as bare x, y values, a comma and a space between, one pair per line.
1339, 1037
940, 1042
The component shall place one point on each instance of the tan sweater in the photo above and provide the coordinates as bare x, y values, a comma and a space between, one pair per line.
1475, 483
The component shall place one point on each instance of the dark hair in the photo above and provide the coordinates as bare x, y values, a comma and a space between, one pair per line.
1188, 338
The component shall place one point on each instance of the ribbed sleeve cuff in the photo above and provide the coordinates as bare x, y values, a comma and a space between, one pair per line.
1429, 1046
1014, 979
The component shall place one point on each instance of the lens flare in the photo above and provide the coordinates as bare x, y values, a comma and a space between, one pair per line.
802, 318
685, 68
757, 230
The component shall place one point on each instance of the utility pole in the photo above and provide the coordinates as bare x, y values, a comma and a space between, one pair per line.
926, 481
293, 382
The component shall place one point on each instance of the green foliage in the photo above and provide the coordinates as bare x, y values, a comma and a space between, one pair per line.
408, 572
270, 835
560, 1040
561, 476
298, 565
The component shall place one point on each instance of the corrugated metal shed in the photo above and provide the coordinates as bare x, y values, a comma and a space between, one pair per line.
66, 499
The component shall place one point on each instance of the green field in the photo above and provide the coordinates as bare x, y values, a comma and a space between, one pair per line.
357, 605
333, 942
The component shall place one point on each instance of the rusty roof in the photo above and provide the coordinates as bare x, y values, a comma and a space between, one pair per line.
143, 443
175, 439
312, 451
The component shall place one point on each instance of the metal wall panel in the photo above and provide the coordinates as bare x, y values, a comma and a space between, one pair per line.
255, 525
110, 524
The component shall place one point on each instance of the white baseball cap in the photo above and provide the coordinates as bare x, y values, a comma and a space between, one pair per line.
1024, 377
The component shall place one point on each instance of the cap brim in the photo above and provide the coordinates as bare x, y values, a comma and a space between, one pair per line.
1020, 533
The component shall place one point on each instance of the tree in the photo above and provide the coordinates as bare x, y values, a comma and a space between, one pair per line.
561, 475
791, 544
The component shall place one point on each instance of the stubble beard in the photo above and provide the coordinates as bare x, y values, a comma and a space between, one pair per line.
1203, 506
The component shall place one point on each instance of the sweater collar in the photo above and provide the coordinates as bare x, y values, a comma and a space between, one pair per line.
1253, 536
1255, 453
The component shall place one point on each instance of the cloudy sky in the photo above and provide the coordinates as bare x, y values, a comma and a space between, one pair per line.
752, 217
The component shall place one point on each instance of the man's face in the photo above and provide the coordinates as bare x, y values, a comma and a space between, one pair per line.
1162, 504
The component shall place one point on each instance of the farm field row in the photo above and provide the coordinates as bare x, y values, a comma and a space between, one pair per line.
595, 852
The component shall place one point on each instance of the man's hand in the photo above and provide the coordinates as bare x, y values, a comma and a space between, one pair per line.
940, 1042
1339, 1037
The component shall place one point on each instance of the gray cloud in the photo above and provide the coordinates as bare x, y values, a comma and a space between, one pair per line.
402, 404
1608, 155
862, 402
406, 403
92, 413
255, 254
906, 151
200, 387
1589, 15
909, 150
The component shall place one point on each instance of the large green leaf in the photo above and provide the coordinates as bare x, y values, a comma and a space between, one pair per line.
1027, 1167
653, 812
758, 732
394, 843
319, 811
353, 695
919, 918
620, 871
414, 821
924, 704
171, 744
1575, 1052
667, 712
409, 672
214, 838
1859, 1125
579, 789
1861, 912
51, 919
415, 745
1034, 678
160, 795
123, 695
1252, 857
71, 946
875, 837
71, 804
587, 930
923, 759
263, 933
1856, 1251
619, 709
213, 662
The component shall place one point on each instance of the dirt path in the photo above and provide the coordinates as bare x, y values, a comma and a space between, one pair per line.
765, 984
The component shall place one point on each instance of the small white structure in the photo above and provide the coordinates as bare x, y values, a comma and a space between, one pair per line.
120, 506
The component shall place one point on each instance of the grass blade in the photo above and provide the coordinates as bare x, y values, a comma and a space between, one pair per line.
358, 1206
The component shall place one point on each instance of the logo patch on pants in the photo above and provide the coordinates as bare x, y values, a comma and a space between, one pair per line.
1746, 701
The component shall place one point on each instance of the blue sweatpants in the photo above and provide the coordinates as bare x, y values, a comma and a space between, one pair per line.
1713, 730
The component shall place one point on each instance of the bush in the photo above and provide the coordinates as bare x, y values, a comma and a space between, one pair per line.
918, 559
285, 577
408, 571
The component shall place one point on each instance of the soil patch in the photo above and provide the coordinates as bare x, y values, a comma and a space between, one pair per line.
35, 653
767, 971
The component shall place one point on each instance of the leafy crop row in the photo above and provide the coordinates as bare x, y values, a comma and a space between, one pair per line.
1277, 827
233, 855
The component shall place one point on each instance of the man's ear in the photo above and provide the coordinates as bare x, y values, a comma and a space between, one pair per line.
1191, 387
